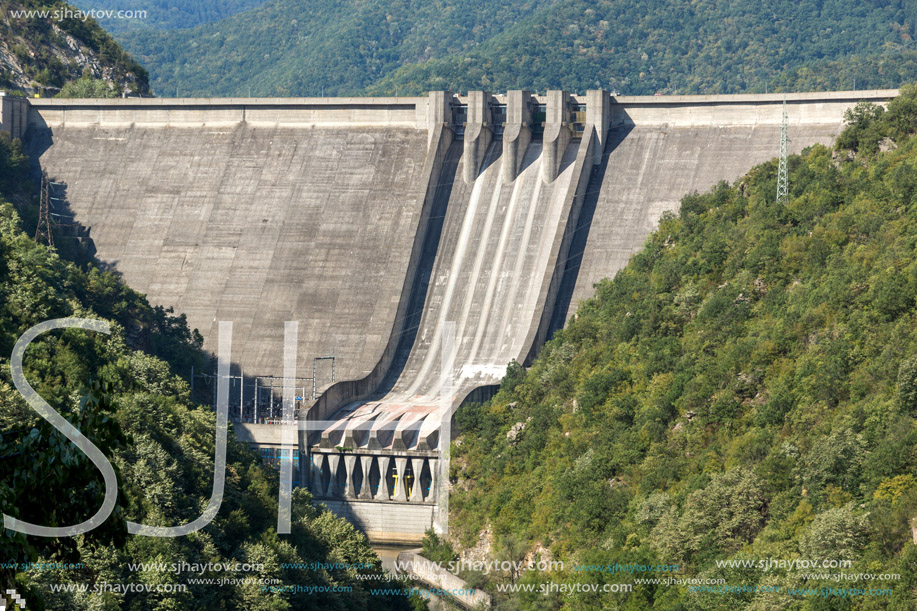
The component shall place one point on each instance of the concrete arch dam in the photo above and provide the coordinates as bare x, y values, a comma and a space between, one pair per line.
381, 224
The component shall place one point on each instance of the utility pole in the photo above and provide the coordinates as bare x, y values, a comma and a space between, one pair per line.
43, 230
782, 177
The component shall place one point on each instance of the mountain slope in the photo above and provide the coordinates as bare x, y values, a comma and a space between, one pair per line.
700, 47
41, 52
746, 388
163, 14
294, 47
291, 47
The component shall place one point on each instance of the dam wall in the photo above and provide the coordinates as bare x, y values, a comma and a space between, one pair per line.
256, 213
376, 221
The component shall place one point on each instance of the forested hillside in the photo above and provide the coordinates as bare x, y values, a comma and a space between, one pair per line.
134, 406
165, 14
710, 46
384, 47
294, 48
746, 388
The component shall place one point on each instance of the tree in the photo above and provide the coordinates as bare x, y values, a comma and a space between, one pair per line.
907, 385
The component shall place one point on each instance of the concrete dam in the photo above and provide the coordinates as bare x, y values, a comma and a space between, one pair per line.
384, 226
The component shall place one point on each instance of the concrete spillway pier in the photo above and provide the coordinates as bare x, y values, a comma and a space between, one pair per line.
377, 221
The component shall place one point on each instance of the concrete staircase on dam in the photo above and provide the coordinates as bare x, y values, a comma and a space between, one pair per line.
382, 225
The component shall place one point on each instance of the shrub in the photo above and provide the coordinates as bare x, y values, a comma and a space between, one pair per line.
837, 533
437, 549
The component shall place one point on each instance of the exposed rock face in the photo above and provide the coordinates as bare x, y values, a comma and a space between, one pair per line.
39, 54
887, 144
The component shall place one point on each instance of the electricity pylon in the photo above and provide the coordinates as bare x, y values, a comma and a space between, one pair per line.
43, 230
783, 182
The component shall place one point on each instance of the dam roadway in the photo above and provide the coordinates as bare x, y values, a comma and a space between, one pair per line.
376, 222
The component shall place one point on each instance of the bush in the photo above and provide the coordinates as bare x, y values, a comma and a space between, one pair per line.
85, 87
437, 549
835, 534
864, 128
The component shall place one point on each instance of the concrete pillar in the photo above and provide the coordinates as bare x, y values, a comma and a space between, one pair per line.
434, 478
373, 443
401, 467
416, 489
366, 462
14, 112
399, 442
316, 477
557, 133
333, 490
428, 435
23, 123
598, 115
385, 463
349, 461
439, 112
405, 432
351, 438
517, 134
478, 134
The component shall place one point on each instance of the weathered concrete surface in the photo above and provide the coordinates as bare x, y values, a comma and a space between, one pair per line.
254, 225
650, 168
386, 522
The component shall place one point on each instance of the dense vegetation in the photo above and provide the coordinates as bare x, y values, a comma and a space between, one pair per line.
165, 14
40, 56
292, 47
138, 411
666, 47
746, 388
87, 87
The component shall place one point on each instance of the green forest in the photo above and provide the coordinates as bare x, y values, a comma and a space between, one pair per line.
407, 47
128, 393
745, 389
165, 14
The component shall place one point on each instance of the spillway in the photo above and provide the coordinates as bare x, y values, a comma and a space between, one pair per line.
494, 257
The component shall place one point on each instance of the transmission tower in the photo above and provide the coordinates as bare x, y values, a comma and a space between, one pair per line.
43, 231
783, 182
